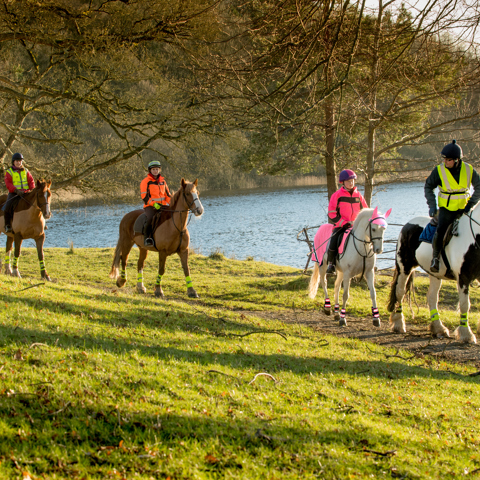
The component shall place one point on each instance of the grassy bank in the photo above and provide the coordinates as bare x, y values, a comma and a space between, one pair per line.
98, 382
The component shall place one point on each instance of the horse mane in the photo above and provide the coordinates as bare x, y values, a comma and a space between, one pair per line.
360, 217
176, 195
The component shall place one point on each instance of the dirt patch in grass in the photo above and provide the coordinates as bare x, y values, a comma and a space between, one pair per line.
417, 340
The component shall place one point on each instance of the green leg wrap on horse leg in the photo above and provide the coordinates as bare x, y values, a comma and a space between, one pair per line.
123, 274
159, 280
434, 315
140, 277
189, 282
42, 266
464, 320
15, 262
7, 259
399, 309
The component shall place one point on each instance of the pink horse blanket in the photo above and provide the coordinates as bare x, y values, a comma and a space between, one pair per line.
322, 239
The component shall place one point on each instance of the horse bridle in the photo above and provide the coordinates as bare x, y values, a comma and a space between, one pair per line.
365, 242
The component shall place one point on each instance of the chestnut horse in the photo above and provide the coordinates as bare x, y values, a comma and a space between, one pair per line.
170, 237
28, 222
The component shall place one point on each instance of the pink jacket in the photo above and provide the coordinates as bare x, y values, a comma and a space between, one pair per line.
344, 206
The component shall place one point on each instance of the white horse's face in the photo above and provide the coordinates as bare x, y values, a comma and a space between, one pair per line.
377, 238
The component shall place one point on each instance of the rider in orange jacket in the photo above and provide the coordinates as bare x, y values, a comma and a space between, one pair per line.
155, 194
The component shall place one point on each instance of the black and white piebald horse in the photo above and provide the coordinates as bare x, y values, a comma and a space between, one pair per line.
463, 255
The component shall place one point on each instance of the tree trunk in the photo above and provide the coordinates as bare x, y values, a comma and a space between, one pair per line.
330, 164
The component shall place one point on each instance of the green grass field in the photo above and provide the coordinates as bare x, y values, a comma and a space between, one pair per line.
101, 382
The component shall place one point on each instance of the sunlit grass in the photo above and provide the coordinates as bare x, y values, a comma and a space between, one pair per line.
101, 382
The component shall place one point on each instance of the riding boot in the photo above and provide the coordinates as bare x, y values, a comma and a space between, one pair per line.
435, 265
331, 261
148, 240
8, 221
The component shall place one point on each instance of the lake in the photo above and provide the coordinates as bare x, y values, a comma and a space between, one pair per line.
262, 224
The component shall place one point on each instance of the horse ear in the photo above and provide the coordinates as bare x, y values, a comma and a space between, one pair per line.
388, 213
195, 182
375, 212
183, 183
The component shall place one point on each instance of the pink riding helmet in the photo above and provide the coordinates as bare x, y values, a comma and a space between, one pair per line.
346, 175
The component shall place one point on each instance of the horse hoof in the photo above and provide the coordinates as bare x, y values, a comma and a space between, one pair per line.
141, 288
159, 294
192, 295
121, 282
327, 311
337, 316
16, 273
47, 278
342, 322
377, 322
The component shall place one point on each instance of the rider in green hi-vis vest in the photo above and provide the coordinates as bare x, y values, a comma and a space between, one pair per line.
454, 179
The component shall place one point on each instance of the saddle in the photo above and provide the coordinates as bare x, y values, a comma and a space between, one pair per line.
157, 220
322, 240
427, 237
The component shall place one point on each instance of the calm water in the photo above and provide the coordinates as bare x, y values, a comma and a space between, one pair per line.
261, 224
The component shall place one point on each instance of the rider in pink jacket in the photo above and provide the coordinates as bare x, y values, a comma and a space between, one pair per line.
344, 206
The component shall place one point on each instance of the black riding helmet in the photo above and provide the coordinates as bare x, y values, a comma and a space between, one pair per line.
452, 150
17, 156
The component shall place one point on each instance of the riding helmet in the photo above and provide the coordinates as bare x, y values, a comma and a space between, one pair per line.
452, 150
154, 164
346, 175
17, 156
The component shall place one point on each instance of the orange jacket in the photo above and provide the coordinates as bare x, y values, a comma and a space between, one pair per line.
154, 191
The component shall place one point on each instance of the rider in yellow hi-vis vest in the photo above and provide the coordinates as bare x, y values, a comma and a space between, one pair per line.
454, 179
18, 181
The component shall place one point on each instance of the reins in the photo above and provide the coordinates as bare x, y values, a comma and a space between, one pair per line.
471, 229
39, 206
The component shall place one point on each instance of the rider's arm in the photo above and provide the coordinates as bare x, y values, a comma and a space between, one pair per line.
31, 181
432, 182
476, 190
333, 213
9, 183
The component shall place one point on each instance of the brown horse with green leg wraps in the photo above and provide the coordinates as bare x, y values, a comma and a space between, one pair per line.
29, 218
171, 236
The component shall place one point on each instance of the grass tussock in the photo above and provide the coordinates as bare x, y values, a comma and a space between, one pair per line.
101, 382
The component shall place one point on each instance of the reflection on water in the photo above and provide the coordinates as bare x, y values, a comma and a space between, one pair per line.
260, 224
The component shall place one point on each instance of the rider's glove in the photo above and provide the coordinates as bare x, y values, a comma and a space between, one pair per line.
157, 206
467, 208
19, 192
432, 211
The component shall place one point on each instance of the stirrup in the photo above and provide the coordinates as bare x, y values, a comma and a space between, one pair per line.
435, 265
8, 229
330, 268
148, 242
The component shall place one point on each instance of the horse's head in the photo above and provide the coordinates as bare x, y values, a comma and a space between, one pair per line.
43, 197
190, 194
378, 224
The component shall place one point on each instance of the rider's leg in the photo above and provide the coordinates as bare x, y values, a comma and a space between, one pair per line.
445, 218
147, 228
333, 249
8, 212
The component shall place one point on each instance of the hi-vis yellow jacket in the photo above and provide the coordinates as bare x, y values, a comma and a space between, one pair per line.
452, 195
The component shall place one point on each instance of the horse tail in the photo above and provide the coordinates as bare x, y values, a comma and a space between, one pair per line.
393, 290
314, 281
117, 257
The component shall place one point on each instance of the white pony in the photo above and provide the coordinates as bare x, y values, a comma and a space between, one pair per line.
463, 255
362, 245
